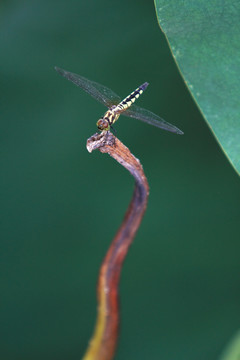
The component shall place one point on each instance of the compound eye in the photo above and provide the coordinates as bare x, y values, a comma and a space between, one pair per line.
102, 124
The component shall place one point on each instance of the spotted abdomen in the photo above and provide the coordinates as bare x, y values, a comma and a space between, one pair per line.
129, 100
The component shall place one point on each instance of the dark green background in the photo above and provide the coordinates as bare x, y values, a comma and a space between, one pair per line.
61, 206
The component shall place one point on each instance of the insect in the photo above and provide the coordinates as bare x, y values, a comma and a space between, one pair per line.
116, 107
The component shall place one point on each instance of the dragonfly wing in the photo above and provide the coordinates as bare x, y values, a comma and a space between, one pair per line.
150, 118
99, 92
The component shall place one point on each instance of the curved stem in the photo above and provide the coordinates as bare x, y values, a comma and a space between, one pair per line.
103, 343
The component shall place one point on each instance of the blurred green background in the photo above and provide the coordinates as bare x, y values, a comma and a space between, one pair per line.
61, 206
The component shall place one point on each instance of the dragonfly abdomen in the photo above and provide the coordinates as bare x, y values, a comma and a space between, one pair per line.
129, 100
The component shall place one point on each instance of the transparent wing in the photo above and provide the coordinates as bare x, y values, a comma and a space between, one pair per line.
99, 92
150, 118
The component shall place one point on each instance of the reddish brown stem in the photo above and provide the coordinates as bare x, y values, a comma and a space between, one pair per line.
104, 340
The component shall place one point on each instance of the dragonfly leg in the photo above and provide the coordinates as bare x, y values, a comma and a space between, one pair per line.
113, 130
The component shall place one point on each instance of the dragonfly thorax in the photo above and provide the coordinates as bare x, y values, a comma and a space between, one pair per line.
108, 119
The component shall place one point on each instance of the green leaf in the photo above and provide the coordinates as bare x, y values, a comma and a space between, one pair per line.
204, 37
232, 351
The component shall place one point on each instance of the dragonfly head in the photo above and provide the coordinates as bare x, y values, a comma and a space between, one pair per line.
103, 124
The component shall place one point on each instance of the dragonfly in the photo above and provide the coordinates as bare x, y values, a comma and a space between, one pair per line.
115, 105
